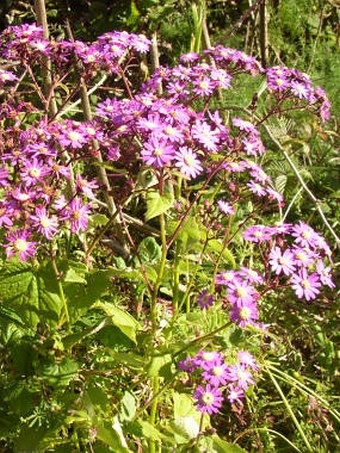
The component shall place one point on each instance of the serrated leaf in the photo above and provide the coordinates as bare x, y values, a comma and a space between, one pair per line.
158, 204
32, 293
149, 250
60, 374
280, 183
121, 319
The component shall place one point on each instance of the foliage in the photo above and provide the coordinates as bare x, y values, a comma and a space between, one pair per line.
156, 291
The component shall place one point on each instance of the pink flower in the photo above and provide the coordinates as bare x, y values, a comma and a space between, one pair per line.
188, 163
306, 285
157, 152
208, 399
46, 225
282, 262
18, 244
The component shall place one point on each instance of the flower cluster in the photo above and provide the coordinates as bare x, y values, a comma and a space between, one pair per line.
240, 295
285, 82
26, 43
296, 255
216, 380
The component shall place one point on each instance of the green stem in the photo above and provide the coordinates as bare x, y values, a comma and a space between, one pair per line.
153, 310
153, 307
61, 291
289, 409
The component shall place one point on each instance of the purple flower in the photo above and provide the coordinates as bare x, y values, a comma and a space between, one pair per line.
304, 234
208, 399
157, 152
247, 359
324, 274
226, 278
244, 314
241, 293
246, 126
225, 207
306, 285
205, 300
18, 244
46, 225
282, 262
205, 135
188, 364
217, 375
208, 359
188, 162
77, 213
251, 275
235, 394
257, 233
238, 373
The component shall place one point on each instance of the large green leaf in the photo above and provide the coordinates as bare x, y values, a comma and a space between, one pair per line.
32, 292
121, 319
158, 204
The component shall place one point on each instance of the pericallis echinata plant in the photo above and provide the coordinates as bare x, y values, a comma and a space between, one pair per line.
143, 211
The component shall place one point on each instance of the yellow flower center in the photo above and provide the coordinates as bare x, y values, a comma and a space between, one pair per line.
74, 136
208, 398
21, 245
35, 172
245, 313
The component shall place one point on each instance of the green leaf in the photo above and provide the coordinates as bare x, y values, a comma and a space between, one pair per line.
121, 319
112, 436
158, 204
149, 250
82, 297
216, 246
128, 407
149, 431
32, 293
60, 374
157, 363
221, 446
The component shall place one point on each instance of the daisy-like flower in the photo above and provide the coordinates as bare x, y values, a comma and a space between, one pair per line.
241, 293
244, 314
18, 244
241, 375
246, 126
304, 234
188, 162
77, 213
217, 375
208, 359
225, 207
203, 86
205, 300
46, 225
85, 186
226, 278
256, 188
33, 171
208, 399
324, 274
206, 136
247, 359
305, 285
257, 233
157, 152
282, 262
188, 364
235, 394
251, 275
